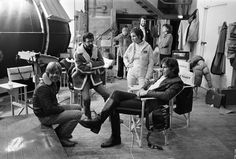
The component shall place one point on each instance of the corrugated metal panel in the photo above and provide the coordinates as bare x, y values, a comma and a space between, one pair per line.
54, 10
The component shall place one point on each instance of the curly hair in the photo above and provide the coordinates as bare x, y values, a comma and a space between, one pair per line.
88, 35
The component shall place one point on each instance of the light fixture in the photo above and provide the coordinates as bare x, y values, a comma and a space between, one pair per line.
180, 16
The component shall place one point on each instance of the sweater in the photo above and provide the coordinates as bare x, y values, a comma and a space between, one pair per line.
44, 98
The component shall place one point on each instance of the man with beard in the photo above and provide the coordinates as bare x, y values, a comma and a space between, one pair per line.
87, 71
146, 32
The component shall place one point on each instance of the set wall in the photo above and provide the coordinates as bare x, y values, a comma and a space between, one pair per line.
218, 11
70, 6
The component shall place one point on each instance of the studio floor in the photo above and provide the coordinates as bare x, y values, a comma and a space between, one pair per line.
211, 134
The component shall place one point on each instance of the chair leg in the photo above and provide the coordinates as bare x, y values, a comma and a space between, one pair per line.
166, 137
188, 120
25, 103
171, 115
72, 97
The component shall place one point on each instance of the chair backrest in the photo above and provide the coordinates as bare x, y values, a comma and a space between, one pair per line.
187, 77
20, 73
184, 65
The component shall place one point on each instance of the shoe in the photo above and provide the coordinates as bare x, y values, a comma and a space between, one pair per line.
69, 137
93, 124
75, 142
119, 77
111, 142
67, 143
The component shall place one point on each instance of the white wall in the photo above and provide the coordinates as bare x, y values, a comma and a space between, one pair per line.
70, 6
218, 11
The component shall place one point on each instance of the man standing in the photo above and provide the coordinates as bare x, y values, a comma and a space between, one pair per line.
146, 32
87, 74
124, 42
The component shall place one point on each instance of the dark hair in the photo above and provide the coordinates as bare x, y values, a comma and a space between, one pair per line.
168, 26
138, 32
52, 67
125, 26
173, 65
143, 17
88, 35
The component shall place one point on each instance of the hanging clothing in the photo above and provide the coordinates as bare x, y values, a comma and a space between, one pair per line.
193, 29
231, 51
200, 68
182, 34
218, 63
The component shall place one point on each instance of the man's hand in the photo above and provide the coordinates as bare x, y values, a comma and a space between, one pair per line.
89, 64
141, 93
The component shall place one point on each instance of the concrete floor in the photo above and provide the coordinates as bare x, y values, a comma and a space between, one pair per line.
211, 135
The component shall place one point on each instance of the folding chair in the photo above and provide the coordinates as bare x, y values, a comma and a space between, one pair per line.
133, 112
188, 79
21, 78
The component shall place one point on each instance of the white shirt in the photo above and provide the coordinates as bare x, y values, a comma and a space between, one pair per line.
157, 83
144, 33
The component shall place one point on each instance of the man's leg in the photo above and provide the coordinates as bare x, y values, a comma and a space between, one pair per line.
67, 121
120, 67
110, 105
86, 100
102, 91
115, 138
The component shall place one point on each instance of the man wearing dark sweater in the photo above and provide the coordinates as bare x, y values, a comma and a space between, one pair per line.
48, 110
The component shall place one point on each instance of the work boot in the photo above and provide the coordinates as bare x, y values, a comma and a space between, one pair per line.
112, 141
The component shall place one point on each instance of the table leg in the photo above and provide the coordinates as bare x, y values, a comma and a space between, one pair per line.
12, 107
25, 101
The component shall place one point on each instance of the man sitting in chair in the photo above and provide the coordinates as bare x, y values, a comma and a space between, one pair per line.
163, 89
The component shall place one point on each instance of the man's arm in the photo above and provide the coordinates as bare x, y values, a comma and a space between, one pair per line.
97, 63
82, 65
166, 95
165, 42
117, 38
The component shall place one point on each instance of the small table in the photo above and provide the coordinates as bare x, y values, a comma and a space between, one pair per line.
10, 88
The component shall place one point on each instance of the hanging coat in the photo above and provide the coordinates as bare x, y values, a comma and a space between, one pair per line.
218, 63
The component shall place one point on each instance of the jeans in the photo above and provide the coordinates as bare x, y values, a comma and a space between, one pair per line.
67, 120
87, 98
120, 99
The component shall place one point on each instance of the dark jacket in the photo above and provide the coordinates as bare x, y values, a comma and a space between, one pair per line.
44, 98
149, 38
167, 89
